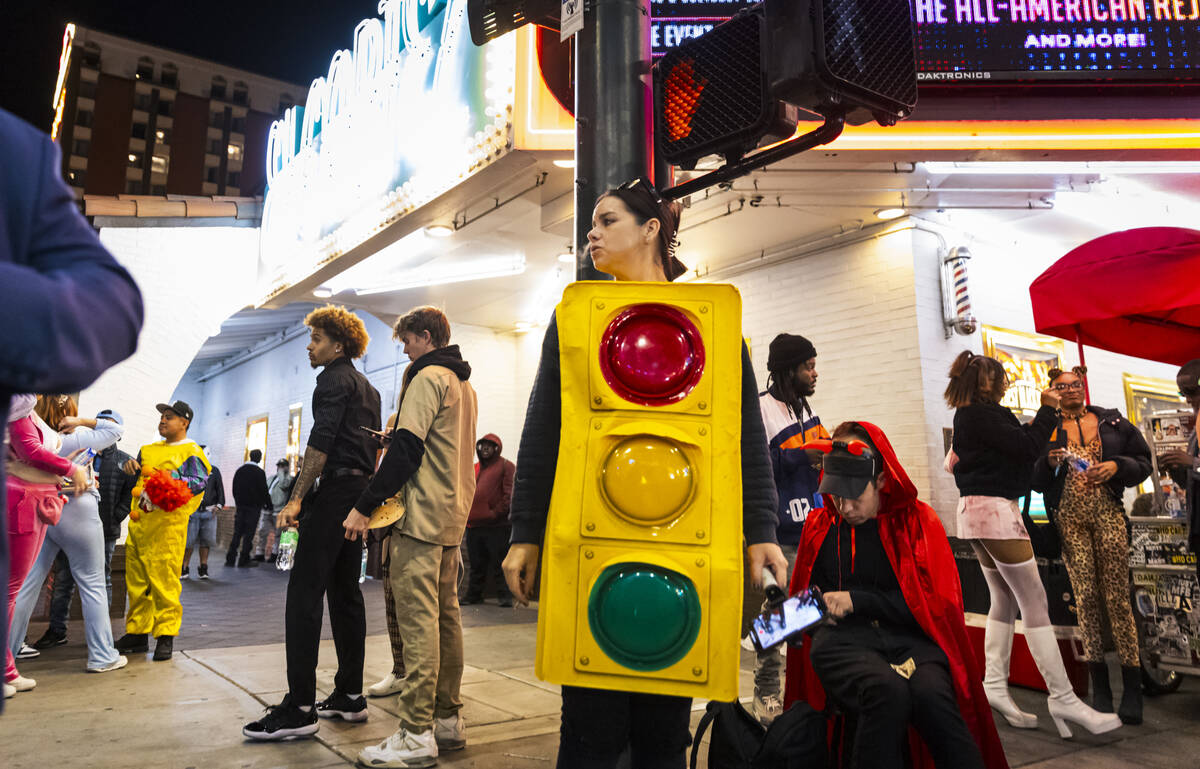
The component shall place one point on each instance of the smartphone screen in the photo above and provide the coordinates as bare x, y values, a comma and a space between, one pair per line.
774, 626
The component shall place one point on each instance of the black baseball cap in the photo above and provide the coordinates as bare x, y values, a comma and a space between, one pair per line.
283, 463
179, 407
848, 468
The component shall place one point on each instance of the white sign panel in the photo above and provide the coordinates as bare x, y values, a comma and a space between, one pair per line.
571, 19
407, 113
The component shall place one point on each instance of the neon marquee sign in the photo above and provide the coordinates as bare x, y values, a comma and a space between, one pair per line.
405, 114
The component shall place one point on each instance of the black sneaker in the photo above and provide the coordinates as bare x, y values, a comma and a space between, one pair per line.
260, 558
133, 643
339, 705
184, 574
49, 640
284, 721
164, 647
469, 600
202, 572
246, 563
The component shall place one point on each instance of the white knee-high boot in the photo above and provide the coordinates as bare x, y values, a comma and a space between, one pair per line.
997, 646
1063, 704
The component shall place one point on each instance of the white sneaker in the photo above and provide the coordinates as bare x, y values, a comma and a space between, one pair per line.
9, 691
22, 684
747, 644
450, 733
27, 652
388, 686
767, 709
120, 662
403, 750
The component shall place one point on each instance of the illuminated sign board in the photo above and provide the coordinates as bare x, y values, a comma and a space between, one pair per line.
407, 113
964, 41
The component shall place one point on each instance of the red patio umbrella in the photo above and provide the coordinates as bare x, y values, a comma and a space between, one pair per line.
1135, 292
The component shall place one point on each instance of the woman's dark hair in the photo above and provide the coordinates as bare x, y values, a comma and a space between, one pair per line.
975, 378
1055, 373
644, 202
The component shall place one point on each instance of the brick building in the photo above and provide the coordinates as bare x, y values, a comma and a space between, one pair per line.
135, 119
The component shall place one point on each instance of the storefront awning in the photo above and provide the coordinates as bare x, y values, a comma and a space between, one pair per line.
1135, 292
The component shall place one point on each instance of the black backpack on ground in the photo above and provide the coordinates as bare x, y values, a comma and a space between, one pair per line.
795, 740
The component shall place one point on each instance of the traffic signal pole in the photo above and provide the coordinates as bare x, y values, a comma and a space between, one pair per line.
613, 126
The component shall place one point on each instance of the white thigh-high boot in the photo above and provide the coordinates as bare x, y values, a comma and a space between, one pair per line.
997, 647
1063, 704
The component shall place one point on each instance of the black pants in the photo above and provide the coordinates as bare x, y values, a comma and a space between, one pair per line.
854, 664
326, 564
245, 521
487, 546
599, 725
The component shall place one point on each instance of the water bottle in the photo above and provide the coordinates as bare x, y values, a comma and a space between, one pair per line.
82, 459
286, 552
362, 573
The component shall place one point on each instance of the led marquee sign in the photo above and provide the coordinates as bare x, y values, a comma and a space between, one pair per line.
407, 113
993, 40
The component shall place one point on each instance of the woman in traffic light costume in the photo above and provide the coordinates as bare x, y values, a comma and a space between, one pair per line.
633, 239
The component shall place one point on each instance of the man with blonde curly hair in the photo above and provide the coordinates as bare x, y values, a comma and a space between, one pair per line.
342, 456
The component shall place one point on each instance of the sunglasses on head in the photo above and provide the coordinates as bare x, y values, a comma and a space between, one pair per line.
641, 183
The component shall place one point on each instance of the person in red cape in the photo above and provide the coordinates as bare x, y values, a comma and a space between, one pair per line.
897, 653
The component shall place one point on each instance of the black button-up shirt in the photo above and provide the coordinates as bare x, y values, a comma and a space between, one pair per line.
343, 403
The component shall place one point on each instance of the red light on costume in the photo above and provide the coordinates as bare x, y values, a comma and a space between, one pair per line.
683, 89
652, 355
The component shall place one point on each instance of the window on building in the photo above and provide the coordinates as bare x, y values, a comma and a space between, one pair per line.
218, 87
215, 146
91, 55
234, 179
165, 107
141, 101
211, 174
217, 120
136, 159
133, 187
145, 68
81, 147
138, 130
158, 189
87, 89
241, 94
238, 126
170, 75
159, 164
162, 136
234, 150
77, 177
84, 117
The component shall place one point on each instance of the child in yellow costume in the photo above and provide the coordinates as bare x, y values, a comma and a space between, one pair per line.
157, 536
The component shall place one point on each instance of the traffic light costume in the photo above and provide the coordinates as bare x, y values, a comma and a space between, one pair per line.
909, 535
158, 533
627, 469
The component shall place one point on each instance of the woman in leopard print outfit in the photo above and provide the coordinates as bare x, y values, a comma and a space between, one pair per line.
1093, 456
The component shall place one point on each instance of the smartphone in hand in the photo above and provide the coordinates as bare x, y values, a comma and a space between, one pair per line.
788, 618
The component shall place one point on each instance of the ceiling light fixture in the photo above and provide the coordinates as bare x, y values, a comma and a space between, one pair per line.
887, 214
522, 326
322, 292
1062, 167
439, 230
433, 275
565, 163
568, 256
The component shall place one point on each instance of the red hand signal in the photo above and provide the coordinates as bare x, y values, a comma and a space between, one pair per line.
683, 89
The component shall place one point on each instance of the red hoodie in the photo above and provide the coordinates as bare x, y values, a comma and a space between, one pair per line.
493, 489
916, 546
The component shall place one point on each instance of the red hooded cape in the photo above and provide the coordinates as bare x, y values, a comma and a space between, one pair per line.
916, 546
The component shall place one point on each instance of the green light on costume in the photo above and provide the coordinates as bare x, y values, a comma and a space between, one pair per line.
644, 617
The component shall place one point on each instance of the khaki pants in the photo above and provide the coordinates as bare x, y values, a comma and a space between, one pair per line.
424, 580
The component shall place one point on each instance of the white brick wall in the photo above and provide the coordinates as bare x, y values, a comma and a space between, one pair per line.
191, 280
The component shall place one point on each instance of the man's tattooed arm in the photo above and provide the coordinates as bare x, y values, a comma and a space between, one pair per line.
314, 463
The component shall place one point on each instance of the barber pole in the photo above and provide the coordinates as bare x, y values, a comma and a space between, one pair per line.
956, 297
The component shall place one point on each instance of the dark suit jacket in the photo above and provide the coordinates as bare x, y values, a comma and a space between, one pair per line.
70, 310
250, 488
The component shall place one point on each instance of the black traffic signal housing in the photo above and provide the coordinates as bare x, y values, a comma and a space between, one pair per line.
728, 90
489, 19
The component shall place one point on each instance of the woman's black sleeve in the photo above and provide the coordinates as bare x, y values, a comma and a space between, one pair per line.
1133, 464
537, 457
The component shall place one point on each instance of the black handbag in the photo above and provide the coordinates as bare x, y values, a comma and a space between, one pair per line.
1043, 537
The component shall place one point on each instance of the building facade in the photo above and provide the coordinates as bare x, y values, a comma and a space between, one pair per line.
135, 119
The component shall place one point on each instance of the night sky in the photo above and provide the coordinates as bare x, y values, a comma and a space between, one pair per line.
290, 41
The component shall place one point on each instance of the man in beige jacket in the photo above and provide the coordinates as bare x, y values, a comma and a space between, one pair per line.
431, 457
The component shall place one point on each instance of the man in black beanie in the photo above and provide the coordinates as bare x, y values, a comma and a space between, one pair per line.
790, 423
